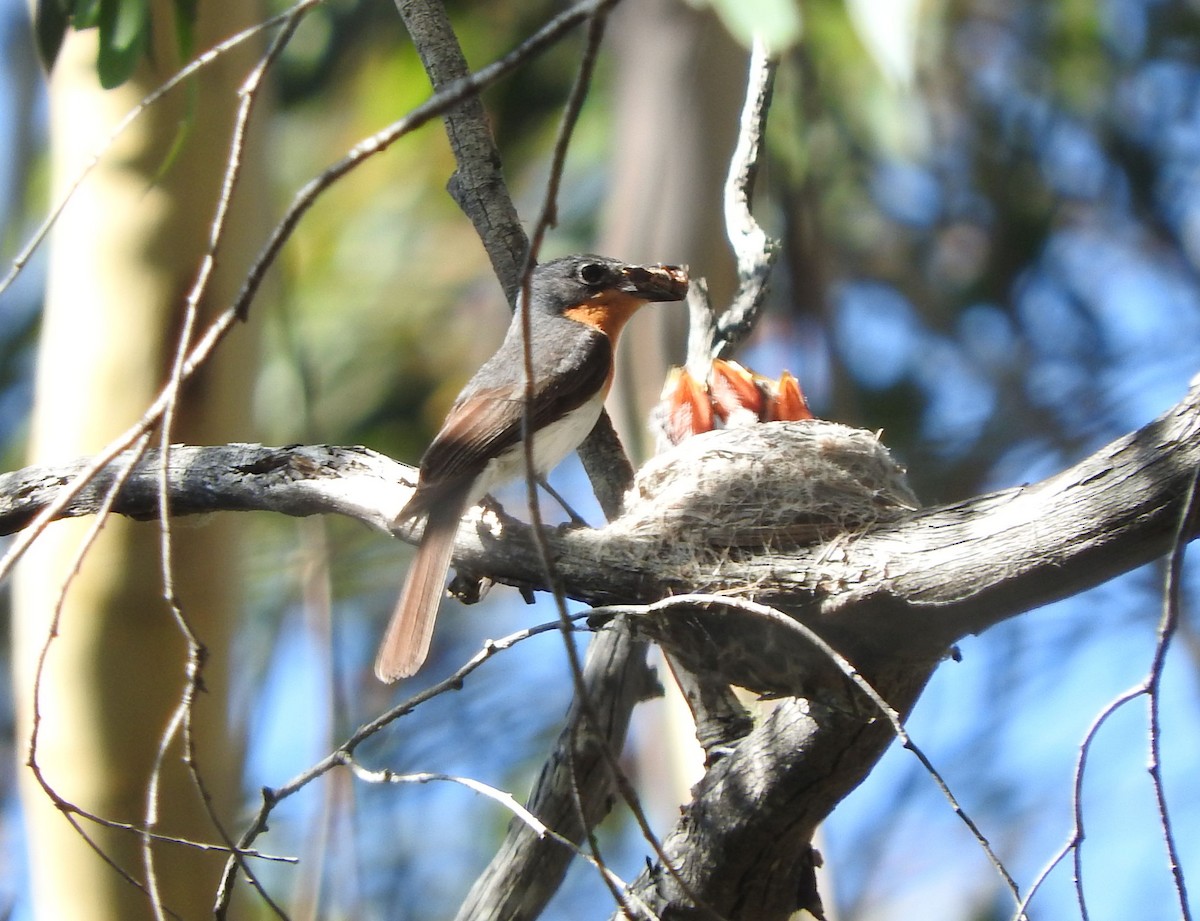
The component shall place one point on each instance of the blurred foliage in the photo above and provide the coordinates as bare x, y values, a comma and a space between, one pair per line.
993, 259
1040, 148
776, 22
124, 28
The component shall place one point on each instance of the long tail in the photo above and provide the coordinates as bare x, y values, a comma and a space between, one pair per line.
406, 642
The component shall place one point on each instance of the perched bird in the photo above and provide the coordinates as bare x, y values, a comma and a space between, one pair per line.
577, 306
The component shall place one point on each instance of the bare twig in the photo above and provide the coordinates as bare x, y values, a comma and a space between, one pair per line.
344, 753
615, 889
69, 810
180, 722
586, 706
504, 798
444, 100
1075, 841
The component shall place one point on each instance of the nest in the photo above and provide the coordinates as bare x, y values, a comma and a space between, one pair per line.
777, 485
737, 493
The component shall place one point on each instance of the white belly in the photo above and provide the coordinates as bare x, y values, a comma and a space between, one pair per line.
550, 445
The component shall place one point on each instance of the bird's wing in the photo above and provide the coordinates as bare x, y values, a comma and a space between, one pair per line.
486, 420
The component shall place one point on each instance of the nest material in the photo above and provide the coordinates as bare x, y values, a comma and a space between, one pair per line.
778, 485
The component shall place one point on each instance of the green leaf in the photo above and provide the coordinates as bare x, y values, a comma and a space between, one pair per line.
85, 14
124, 34
50, 21
185, 28
130, 22
777, 21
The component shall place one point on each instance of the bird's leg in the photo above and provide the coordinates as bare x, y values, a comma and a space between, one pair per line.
576, 518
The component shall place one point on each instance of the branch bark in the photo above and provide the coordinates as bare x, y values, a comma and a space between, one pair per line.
299, 480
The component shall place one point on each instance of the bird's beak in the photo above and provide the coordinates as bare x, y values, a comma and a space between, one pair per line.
655, 282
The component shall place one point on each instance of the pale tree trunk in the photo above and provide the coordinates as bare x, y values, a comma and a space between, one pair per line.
123, 257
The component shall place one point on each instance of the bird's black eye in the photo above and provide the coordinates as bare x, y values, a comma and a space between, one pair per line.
592, 273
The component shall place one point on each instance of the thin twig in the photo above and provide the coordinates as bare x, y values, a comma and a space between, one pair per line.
70, 810
1167, 627
440, 103
546, 219
616, 888
270, 797
1074, 843
151, 818
505, 799
202, 61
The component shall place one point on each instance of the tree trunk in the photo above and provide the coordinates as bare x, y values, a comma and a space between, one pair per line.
123, 257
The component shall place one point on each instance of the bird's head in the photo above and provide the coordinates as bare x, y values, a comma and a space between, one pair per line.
603, 292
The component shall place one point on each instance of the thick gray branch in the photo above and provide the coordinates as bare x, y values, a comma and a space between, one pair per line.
297, 480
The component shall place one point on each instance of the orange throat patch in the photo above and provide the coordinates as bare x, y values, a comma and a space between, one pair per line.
606, 312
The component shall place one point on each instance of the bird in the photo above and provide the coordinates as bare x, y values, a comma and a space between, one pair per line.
577, 306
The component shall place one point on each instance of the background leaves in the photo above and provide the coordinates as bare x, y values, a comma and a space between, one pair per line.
124, 28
